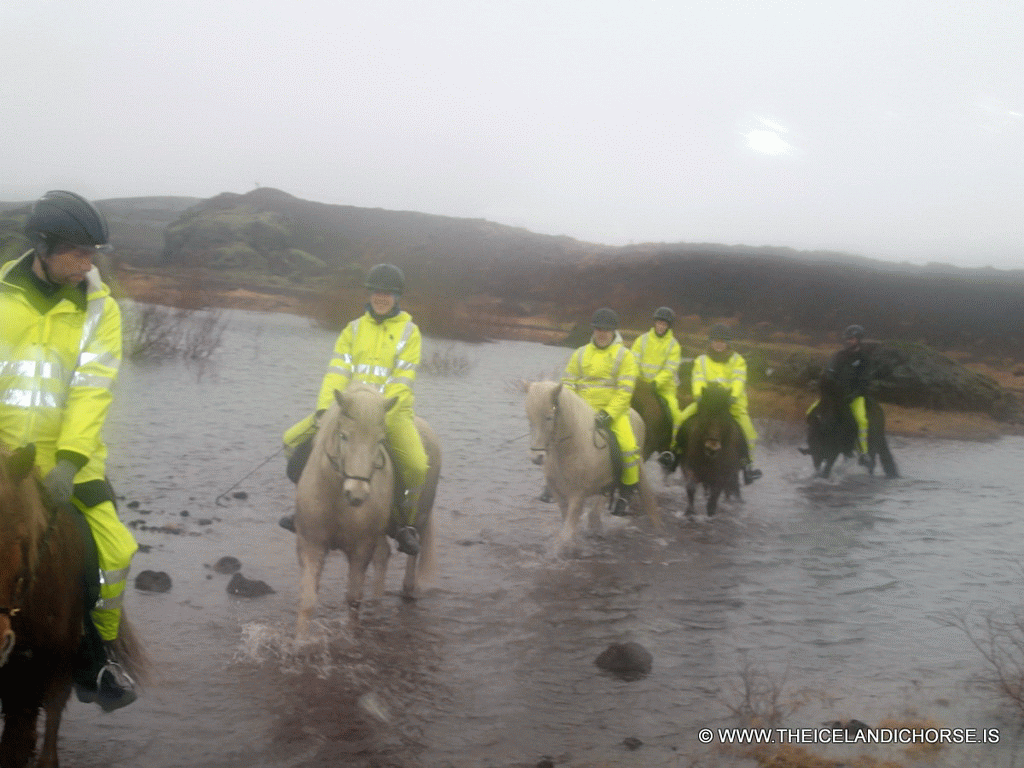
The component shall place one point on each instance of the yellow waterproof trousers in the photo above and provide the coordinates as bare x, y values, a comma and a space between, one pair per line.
738, 410
667, 390
115, 546
623, 431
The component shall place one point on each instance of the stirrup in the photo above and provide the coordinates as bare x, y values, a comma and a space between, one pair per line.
408, 540
114, 688
667, 460
750, 474
866, 460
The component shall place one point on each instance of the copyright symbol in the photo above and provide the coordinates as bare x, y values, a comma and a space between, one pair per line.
706, 735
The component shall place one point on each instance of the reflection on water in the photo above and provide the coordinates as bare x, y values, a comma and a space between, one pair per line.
834, 585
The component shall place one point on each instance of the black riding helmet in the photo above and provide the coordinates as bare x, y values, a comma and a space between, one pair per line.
666, 314
720, 332
64, 217
853, 332
385, 278
604, 319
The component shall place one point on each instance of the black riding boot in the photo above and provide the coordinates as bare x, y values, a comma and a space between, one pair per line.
620, 502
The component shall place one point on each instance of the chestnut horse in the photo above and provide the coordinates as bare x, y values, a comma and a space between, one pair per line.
42, 603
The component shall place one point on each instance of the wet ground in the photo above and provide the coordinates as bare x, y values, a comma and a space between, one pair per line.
833, 596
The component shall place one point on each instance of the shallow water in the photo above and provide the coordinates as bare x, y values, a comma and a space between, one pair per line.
835, 590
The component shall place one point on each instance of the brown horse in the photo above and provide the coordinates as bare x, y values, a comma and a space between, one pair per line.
42, 553
657, 420
713, 449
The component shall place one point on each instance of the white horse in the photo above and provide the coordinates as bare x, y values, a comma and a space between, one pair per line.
346, 496
576, 459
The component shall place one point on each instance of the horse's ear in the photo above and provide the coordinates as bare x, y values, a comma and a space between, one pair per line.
21, 461
338, 398
390, 403
555, 394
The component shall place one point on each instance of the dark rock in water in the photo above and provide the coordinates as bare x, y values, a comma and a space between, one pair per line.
145, 548
184, 513
632, 742
545, 762
133, 505
625, 659
240, 495
204, 521
153, 581
243, 587
227, 564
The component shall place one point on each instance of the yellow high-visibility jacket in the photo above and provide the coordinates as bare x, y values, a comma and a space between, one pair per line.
659, 358
57, 369
384, 355
603, 377
731, 374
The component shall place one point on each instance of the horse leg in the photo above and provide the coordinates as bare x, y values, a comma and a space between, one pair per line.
55, 698
19, 739
649, 504
713, 493
358, 561
691, 491
595, 523
572, 511
311, 562
381, 555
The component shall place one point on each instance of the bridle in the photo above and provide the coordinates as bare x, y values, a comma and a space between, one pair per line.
338, 464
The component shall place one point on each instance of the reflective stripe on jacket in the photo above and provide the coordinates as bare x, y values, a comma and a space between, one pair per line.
732, 374
603, 377
659, 357
57, 370
384, 355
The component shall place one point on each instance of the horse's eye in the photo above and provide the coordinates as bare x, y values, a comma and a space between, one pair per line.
343, 437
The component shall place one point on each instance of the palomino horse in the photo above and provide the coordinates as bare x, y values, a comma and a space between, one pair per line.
41, 609
713, 449
832, 430
345, 499
576, 458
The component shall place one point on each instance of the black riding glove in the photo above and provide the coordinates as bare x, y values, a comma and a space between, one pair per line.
60, 482
603, 420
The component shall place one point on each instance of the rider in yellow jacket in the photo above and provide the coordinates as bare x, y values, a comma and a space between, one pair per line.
380, 348
60, 349
726, 367
659, 355
604, 373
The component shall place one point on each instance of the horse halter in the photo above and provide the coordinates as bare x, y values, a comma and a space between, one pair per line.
555, 411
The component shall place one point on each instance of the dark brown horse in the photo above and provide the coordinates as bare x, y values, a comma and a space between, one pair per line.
714, 447
657, 420
41, 608
832, 431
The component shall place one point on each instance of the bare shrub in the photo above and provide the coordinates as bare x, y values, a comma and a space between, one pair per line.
153, 333
1000, 641
447, 363
759, 698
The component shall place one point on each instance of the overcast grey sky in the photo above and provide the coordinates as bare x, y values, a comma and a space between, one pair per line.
887, 128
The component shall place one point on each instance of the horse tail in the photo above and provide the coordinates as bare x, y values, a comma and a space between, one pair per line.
648, 502
131, 652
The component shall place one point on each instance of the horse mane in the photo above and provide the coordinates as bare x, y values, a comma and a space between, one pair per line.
714, 401
22, 512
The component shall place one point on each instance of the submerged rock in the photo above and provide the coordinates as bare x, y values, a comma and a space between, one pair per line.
227, 564
153, 581
243, 587
625, 659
